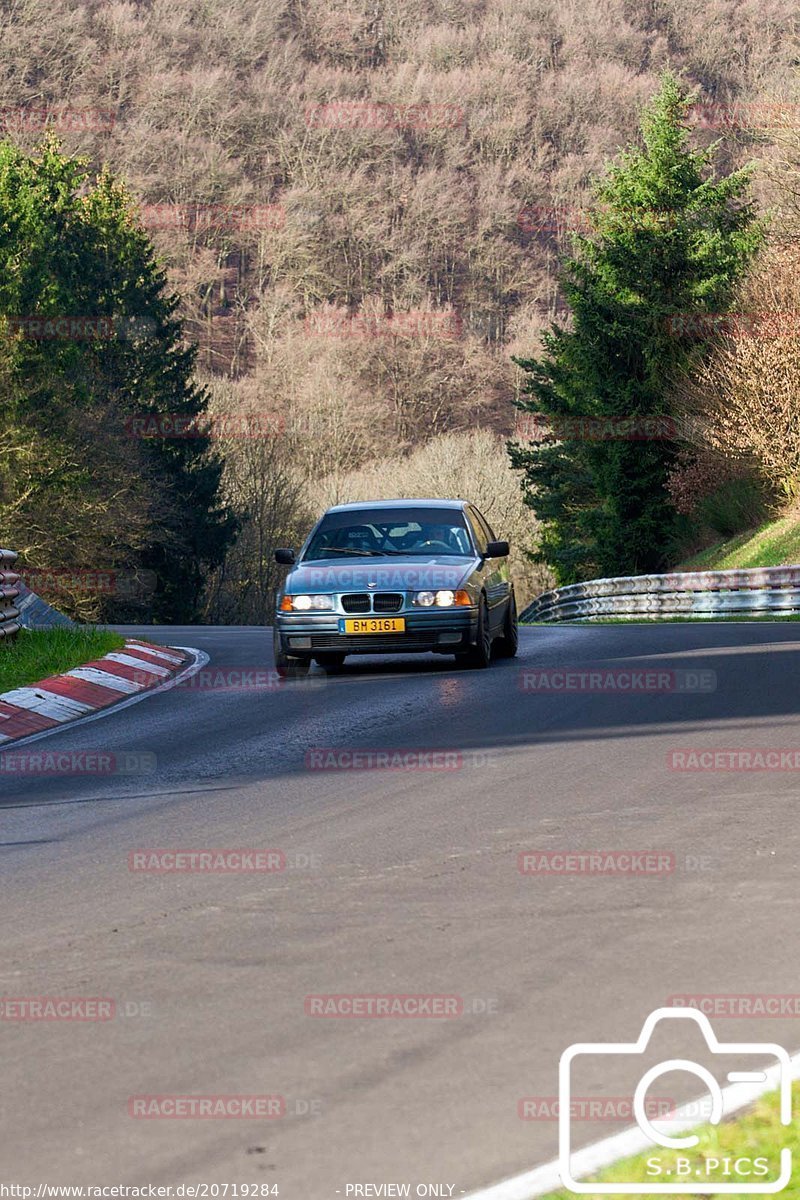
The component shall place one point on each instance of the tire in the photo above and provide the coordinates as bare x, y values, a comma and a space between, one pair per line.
330, 662
508, 643
480, 655
287, 666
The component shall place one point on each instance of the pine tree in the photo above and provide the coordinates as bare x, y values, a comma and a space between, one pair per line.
71, 247
667, 240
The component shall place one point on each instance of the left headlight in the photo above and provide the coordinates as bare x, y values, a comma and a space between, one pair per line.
307, 604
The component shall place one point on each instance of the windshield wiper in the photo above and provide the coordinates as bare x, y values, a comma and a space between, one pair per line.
399, 553
432, 553
346, 550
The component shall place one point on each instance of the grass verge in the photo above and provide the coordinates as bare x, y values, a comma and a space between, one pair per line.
770, 545
756, 1134
37, 653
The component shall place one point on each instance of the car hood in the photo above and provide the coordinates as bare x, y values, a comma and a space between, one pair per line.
398, 574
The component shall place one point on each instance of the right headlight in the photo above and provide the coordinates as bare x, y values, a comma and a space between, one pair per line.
320, 603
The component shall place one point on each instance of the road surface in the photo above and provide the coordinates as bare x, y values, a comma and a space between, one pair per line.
401, 882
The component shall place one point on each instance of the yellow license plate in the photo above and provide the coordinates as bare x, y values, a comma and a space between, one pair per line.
375, 625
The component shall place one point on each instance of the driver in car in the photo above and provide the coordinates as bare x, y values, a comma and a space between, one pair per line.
437, 537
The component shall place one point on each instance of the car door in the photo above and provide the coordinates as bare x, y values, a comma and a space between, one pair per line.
495, 570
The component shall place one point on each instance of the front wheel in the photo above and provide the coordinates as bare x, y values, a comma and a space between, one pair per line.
330, 662
287, 666
480, 655
509, 641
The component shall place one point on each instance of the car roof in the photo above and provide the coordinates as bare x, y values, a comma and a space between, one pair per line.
378, 504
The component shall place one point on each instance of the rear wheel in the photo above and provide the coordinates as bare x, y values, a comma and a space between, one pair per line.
287, 666
508, 643
480, 655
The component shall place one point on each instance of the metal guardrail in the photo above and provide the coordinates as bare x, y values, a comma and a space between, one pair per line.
9, 591
36, 613
708, 594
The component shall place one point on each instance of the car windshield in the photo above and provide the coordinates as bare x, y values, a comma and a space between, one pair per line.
375, 533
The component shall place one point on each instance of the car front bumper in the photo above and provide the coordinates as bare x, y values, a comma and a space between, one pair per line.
444, 631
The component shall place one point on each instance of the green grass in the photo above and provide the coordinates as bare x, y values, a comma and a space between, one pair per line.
757, 1133
773, 544
770, 545
35, 654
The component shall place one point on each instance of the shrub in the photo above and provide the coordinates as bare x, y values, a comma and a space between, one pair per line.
742, 401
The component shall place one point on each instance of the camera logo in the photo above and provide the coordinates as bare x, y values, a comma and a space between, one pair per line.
683, 1174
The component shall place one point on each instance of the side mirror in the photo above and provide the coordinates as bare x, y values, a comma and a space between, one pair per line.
284, 557
497, 550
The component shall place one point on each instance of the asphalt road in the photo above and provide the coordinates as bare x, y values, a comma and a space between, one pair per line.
397, 882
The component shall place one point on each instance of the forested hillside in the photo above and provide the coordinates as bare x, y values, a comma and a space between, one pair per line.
361, 204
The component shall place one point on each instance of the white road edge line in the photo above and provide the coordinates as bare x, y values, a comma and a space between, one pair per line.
200, 660
599, 1155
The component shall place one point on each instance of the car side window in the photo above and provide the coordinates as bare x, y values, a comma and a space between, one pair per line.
477, 526
485, 526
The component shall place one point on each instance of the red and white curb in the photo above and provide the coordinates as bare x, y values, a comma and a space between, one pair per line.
118, 679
